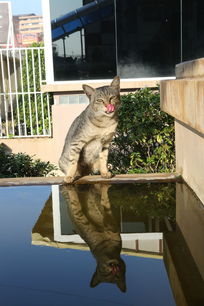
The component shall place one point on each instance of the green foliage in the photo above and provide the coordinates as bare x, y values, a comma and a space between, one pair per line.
153, 199
34, 108
21, 165
144, 141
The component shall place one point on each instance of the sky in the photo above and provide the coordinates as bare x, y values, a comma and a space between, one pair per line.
25, 7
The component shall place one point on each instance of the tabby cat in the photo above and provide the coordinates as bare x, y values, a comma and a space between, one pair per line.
92, 216
87, 142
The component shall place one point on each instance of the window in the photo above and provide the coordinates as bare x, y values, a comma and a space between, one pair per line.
193, 29
148, 33
83, 34
131, 38
30, 29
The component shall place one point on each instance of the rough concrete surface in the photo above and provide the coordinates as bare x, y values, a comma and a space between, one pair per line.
91, 179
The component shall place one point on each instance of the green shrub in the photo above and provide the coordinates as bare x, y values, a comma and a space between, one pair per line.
21, 165
144, 142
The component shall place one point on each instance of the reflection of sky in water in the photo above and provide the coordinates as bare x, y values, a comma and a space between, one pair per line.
36, 275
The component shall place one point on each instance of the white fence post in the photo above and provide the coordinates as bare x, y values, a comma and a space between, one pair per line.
24, 109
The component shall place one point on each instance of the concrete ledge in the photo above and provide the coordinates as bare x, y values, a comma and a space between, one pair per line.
130, 178
92, 179
72, 86
190, 69
184, 100
37, 239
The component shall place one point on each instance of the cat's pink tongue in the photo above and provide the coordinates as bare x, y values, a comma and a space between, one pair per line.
110, 108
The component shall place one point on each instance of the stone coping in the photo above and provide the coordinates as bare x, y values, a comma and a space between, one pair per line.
190, 69
125, 84
37, 239
183, 99
92, 179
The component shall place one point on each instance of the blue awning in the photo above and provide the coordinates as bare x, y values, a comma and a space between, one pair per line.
76, 20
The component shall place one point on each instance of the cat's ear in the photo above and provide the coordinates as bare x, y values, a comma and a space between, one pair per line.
121, 285
116, 83
94, 281
89, 91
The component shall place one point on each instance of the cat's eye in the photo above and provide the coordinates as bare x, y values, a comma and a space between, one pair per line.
100, 100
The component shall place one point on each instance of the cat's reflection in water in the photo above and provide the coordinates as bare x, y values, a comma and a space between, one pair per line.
92, 216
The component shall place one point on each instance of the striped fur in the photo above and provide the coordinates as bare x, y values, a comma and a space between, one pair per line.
87, 142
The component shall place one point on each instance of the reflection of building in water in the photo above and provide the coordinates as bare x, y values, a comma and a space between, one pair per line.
182, 251
139, 233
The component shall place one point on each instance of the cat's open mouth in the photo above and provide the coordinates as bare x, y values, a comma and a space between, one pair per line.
110, 108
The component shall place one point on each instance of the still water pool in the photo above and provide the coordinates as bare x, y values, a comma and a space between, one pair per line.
127, 244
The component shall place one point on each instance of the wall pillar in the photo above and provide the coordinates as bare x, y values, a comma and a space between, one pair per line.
183, 98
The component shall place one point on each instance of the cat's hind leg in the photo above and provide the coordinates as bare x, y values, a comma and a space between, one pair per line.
72, 156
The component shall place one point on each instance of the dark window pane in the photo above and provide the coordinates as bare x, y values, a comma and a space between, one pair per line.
83, 34
193, 29
148, 36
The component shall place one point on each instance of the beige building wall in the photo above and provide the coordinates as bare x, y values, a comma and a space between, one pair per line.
48, 149
190, 157
183, 98
30, 24
28, 29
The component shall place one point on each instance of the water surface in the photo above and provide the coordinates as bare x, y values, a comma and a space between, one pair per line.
43, 260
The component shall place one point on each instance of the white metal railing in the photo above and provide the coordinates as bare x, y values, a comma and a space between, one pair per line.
24, 109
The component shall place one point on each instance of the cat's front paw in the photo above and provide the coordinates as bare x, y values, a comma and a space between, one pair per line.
68, 179
107, 175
